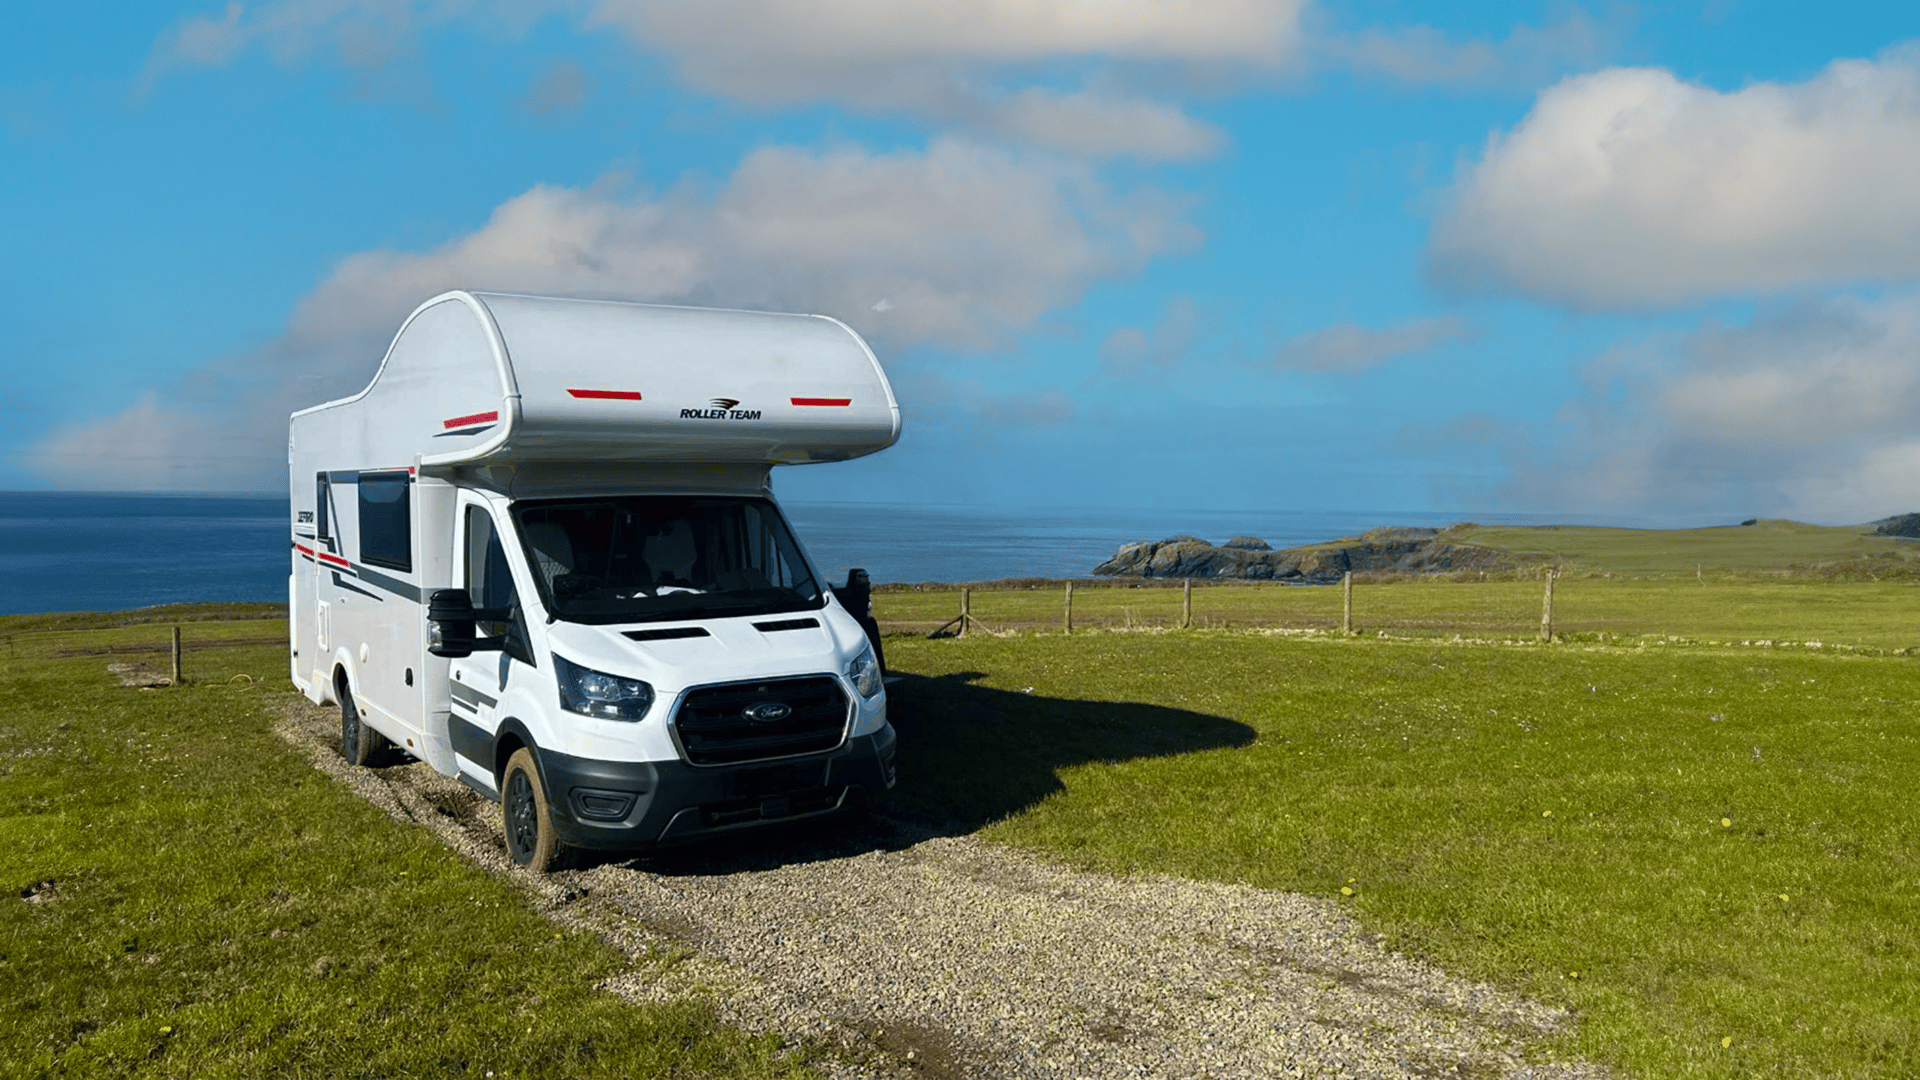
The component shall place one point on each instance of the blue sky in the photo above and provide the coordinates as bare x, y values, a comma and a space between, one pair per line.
1619, 263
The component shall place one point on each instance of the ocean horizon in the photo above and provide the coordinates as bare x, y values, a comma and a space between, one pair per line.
89, 551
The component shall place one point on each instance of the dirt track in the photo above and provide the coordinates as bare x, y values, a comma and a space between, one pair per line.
947, 956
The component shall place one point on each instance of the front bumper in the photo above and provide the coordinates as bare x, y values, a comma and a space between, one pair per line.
630, 805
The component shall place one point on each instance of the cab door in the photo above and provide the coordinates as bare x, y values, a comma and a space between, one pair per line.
476, 681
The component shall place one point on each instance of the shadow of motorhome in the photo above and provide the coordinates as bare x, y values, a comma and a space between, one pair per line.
969, 755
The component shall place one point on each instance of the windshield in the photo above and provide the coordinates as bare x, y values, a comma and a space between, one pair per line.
640, 558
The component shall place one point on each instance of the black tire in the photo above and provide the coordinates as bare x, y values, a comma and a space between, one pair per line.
531, 840
359, 744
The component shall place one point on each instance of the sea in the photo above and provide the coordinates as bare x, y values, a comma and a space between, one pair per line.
73, 551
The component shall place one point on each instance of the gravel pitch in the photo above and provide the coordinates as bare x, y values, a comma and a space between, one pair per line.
904, 954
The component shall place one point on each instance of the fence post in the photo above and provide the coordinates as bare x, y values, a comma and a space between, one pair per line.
1066, 620
177, 677
1346, 602
1186, 602
966, 611
1546, 610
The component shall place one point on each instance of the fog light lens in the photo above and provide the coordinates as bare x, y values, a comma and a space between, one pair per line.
602, 805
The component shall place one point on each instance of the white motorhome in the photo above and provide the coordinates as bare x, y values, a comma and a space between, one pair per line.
540, 552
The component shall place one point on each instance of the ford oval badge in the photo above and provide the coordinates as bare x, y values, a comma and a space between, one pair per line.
767, 712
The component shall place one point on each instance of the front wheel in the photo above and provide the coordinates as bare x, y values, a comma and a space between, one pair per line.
359, 744
531, 840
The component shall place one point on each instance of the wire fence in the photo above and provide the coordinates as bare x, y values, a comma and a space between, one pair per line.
1544, 607
143, 653
1882, 616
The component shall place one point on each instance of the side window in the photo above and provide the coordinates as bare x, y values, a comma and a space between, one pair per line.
321, 494
386, 531
488, 581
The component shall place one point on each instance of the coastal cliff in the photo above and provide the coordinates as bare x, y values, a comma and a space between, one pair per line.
1245, 558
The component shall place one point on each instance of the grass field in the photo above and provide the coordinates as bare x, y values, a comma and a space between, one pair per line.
185, 896
1710, 855
1882, 615
1707, 852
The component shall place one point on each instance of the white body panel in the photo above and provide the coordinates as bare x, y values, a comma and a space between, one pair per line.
484, 400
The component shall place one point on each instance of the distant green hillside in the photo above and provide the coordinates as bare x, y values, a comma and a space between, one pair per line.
1766, 545
1761, 547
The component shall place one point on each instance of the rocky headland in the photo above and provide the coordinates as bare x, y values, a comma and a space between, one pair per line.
1905, 526
1247, 558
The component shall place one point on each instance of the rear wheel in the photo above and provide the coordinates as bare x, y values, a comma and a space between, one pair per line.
531, 840
359, 744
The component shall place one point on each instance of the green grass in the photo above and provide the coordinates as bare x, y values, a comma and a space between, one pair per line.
1517, 814
160, 615
201, 870
218, 908
1766, 545
1871, 614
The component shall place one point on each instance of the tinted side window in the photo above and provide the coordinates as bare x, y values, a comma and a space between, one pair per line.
386, 533
489, 583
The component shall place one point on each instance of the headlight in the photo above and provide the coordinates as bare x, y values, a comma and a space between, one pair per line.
595, 693
864, 673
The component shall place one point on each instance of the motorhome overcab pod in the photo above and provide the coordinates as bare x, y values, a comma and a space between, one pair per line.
540, 552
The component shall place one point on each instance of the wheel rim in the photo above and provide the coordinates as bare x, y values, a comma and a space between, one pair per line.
523, 821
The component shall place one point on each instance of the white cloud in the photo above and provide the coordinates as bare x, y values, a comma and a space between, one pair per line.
1349, 346
966, 244
1810, 411
1805, 377
146, 447
983, 67
1883, 481
1423, 55
803, 48
1090, 77
1094, 124
1628, 188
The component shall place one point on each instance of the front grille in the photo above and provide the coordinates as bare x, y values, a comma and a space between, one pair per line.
715, 730
770, 808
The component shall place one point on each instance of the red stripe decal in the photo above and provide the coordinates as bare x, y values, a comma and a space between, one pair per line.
304, 550
469, 421
821, 401
606, 395
334, 559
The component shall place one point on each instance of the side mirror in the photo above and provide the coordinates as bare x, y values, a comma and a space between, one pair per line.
857, 594
857, 597
451, 630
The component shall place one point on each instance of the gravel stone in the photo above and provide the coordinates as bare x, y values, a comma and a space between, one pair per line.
906, 954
